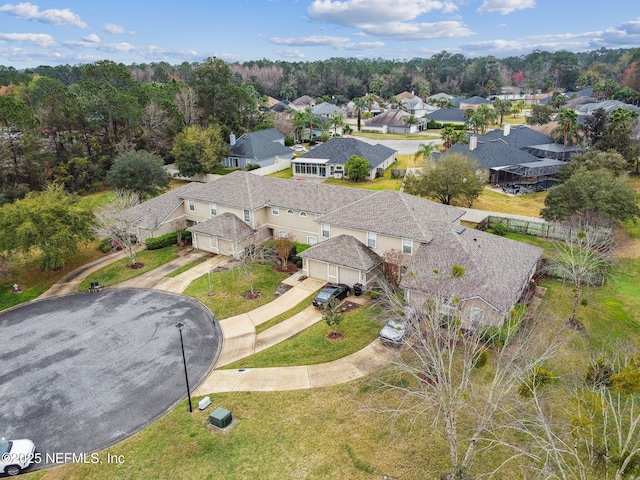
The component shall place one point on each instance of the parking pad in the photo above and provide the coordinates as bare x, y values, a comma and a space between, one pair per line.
81, 372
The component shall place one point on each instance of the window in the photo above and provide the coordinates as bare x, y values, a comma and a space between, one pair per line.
312, 240
407, 246
371, 239
245, 212
214, 209
303, 214
477, 315
192, 205
275, 211
325, 230
283, 234
289, 212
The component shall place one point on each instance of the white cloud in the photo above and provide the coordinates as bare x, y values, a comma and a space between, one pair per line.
290, 53
311, 41
505, 7
39, 39
358, 46
93, 38
54, 16
352, 13
114, 29
419, 31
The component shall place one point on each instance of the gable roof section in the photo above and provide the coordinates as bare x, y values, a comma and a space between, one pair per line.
153, 212
496, 268
520, 136
346, 251
475, 100
303, 101
338, 150
392, 118
447, 115
326, 108
492, 153
226, 226
242, 189
395, 214
260, 144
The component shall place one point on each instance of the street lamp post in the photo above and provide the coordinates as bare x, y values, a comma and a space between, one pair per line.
180, 326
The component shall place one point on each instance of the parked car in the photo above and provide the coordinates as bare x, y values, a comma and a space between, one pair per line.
394, 333
338, 291
299, 148
16, 455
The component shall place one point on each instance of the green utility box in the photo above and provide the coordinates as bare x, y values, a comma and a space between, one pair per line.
220, 418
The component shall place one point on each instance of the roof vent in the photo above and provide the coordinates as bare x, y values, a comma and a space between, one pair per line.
459, 230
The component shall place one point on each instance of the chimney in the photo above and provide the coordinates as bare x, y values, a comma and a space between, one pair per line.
473, 143
232, 139
507, 129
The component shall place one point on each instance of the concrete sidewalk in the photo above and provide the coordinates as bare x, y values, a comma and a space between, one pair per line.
239, 332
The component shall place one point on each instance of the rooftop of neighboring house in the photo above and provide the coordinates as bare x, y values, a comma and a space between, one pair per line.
226, 225
518, 136
338, 150
259, 144
326, 108
304, 101
491, 152
392, 118
445, 115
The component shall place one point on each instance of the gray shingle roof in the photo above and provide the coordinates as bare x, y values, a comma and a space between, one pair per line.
395, 214
496, 268
346, 251
339, 150
226, 226
304, 100
391, 117
259, 145
520, 136
326, 108
153, 212
492, 153
447, 115
241, 189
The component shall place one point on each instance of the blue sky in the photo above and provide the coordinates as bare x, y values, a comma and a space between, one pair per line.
142, 31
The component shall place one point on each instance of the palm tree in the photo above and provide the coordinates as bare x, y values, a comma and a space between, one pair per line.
306, 119
568, 128
359, 104
410, 120
335, 121
425, 150
502, 108
288, 92
451, 136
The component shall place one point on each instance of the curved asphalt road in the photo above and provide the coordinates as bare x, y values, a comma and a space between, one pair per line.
82, 372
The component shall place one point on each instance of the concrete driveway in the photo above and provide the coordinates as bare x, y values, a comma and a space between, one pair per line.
80, 372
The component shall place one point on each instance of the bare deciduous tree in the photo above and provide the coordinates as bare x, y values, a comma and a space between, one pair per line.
599, 434
248, 260
116, 220
186, 102
585, 252
438, 372
156, 125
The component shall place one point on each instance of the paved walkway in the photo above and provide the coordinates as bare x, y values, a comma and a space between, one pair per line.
239, 332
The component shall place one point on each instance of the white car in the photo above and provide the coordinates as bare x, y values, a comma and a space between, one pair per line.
299, 148
16, 455
394, 333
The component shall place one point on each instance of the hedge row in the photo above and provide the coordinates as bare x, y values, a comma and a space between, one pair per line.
166, 240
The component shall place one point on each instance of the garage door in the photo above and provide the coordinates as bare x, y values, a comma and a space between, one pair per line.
318, 270
348, 276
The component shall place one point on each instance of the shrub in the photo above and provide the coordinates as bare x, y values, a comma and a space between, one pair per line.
500, 229
481, 358
166, 240
599, 374
289, 141
538, 378
252, 166
105, 245
301, 247
434, 124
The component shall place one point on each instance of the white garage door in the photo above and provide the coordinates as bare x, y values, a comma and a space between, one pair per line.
318, 270
348, 276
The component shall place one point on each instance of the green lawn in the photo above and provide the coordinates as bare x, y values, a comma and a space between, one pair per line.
118, 272
229, 287
309, 347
